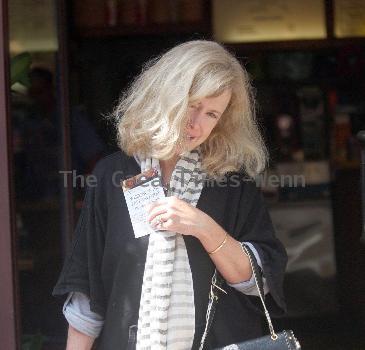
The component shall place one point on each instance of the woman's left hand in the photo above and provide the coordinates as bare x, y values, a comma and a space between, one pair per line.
174, 214
178, 216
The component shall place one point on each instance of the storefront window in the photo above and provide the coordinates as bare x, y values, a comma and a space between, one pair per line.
37, 158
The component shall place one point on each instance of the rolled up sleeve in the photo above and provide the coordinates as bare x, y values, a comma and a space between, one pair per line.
76, 310
249, 287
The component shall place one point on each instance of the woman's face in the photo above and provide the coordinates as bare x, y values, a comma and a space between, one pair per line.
203, 116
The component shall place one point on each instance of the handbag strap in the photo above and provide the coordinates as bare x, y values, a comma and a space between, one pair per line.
217, 282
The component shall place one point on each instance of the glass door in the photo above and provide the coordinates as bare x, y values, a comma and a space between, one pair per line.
40, 148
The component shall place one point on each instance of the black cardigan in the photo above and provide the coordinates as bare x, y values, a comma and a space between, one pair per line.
107, 263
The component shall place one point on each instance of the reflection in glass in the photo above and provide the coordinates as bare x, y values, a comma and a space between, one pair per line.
36, 135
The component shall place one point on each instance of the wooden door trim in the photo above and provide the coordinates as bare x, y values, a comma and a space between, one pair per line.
9, 320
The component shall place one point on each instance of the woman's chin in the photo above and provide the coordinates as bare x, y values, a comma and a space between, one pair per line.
188, 146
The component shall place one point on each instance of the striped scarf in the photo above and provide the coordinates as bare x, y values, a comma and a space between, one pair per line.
167, 312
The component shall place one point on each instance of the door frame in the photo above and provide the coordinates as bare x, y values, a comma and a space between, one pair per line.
10, 320
9, 308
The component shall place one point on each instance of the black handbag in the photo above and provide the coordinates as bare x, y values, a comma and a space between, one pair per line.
285, 340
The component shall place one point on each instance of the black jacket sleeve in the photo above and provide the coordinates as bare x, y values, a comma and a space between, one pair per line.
82, 268
254, 225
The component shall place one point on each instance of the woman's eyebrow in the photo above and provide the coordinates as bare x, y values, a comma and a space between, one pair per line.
213, 110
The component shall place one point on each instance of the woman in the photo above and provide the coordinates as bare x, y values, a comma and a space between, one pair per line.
190, 114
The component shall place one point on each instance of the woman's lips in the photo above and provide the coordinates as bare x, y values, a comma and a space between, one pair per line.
190, 138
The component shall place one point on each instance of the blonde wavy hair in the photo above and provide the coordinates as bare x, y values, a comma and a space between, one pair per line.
151, 115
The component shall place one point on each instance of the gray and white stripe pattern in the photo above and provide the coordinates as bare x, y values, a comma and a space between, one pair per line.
167, 312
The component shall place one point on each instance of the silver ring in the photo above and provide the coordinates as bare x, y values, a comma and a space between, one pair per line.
159, 221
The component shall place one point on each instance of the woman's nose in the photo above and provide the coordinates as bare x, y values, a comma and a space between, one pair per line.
192, 122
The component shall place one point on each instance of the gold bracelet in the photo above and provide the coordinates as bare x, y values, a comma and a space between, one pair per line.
220, 246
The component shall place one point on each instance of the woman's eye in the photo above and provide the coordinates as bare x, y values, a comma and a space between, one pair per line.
213, 115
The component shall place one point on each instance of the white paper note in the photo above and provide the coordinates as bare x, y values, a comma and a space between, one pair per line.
137, 199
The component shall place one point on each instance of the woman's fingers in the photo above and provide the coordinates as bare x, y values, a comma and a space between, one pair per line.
171, 213
157, 203
161, 206
155, 211
161, 222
